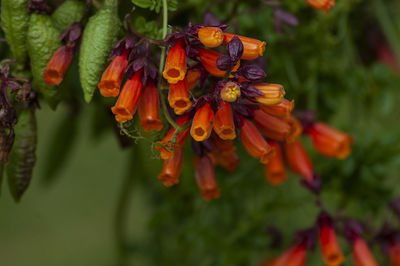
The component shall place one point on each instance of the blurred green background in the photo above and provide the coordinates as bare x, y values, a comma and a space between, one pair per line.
330, 63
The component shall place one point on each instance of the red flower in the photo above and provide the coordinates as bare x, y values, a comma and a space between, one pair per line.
210, 36
172, 168
254, 143
127, 102
202, 123
295, 256
272, 127
223, 122
298, 160
178, 97
149, 108
58, 65
166, 148
205, 178
394, 253
275, 169
284, 109
175, 66
111, 80
362, 255
331, 252
252, 48
330, 142
209, 60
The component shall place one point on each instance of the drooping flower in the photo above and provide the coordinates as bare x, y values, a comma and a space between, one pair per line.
211, 36
128, 100
362, 255
175, 66
110, 82
284, 109
58, 65
149, 108
272, 127
202, 124
223, 153
254, 143
330, 249
294, 256
178, 97
273, 93
329, 141
274, 170
166, 147
321, 4
205, 178
192, 77
223, 122
172, 168
299, 160
253, 48
209, 58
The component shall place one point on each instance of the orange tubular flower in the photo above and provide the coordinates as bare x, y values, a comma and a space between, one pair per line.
205, 178
166, 146
254, 143
209, 60
175, 66
111, 80
275, 169
211, 36
128, 100
230, 92
295, 128
58, 65
178, 97
149, 109
295, 256
362, 255
172, 169
202, 123
229, 161
321, 4
330, 142
192, 78
284, 109
272, 127
394, 253
223, 122
223, 146
329, 245
252, 48
273, 93
298, 160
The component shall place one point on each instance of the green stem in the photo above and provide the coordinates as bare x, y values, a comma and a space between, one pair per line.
388, 27
120, 222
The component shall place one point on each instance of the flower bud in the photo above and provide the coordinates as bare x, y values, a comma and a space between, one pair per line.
111, 79
230, 92
253, 48
209, 58
273, 93
127, 102
175, 66
58, 65
329, 141
202, 123
205, 178
211, 36
172, 168
149, 108
254, 143
178, 97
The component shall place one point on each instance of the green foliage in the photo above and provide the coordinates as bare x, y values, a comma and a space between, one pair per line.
97, 42
156, 5
43, 41
67, 13
22, 157
149, 28
14, 21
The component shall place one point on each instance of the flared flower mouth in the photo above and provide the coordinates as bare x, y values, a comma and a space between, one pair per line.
151, 124
109, 88
174, 74
111, 79
202, 123
210, 194
226, 133
122, 114
58, 65
180, 105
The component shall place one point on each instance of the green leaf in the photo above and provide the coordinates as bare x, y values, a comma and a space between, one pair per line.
1, 175
156, 5
143, 3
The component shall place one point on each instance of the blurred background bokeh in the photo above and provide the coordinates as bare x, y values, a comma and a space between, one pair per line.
344, 65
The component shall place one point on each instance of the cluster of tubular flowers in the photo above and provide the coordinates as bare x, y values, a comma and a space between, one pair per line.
139, 92
321, 4
217, 97
332, 255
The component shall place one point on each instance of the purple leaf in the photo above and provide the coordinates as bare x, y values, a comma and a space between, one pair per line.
224, 62
252, 72
250, 91
235, 49
210, 19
